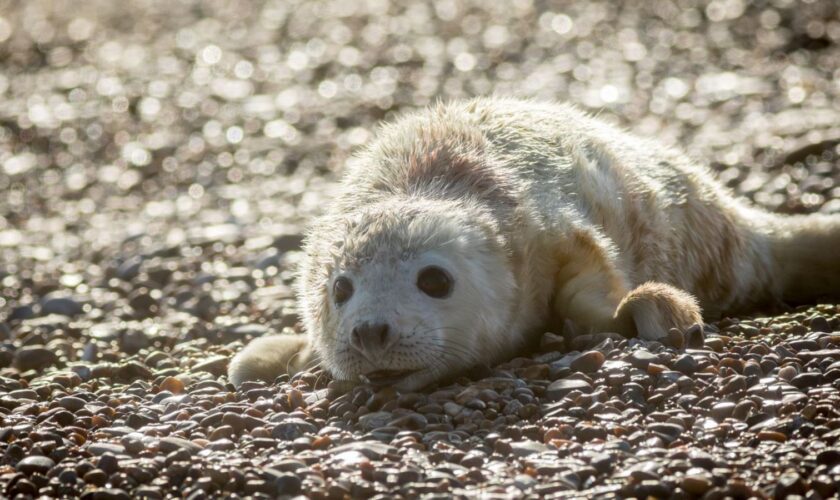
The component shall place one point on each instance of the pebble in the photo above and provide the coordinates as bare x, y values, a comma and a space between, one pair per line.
588, 362
526, 448
170, 444
35, 464
686, 364
293, 428
696, 484
559, 388
65, 306
71, 403
641, 358
217, 365
100, 448
34, 357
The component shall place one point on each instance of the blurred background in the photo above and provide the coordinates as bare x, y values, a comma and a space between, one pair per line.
173, 136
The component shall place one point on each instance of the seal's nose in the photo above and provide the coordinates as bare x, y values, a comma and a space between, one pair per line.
371, 338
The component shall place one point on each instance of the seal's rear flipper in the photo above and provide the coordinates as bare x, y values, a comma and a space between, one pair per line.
806, 256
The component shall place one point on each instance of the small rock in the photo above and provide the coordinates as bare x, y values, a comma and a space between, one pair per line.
686, 364
525, 448
111, 494
696, 484
559, 388
63, 305
285, 483
34, 357
71, 403
373, 450
588, 362
641, 358
694, 337
98, 449
789, 483
807, 380
722, 410
293, 428
217, 365
170, 444
33, 464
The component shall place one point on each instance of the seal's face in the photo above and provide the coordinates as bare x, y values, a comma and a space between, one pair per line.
413, 297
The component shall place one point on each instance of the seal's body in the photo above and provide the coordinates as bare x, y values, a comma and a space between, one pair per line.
466, 230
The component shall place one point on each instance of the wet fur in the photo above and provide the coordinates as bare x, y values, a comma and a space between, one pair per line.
551, 215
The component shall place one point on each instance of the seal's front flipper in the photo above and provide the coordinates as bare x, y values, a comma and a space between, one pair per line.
267, 357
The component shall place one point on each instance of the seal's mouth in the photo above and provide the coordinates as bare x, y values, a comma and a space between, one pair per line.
381, 378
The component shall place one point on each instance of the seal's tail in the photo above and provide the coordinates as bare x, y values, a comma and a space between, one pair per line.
806, 255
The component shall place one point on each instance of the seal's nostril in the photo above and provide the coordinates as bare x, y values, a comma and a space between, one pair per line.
368, 336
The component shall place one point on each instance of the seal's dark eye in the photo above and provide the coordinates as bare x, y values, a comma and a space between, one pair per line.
342, 290
434, 282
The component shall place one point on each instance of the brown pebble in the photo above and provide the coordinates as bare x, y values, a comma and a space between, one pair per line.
787, 373
260, 432
732, 363
96, 477
743, 409
221, 432
656, 369
694, 337
736, 383
173, 385
588, 362
771, 436
321, 443
696, 484
675, 338
295, 398
715, 344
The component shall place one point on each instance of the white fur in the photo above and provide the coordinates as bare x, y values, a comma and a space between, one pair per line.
541, 213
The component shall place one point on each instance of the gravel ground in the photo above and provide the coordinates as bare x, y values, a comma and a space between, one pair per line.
158, 161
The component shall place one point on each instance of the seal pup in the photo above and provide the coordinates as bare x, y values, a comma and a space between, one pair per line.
465, 230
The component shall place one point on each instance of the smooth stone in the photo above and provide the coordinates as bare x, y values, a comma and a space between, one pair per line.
65, 306
588, 362
373, 450
525, 448
98, 449
285, 483
71, 403
292, 428
559, 388
217, 365
110, 494
170, 444
34, 357
696, 484
722, 410
641, 358
35, 463
807, 380
694, 337
375, 420
686, 364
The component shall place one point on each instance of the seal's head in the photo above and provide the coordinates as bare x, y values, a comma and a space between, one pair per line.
406, 292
